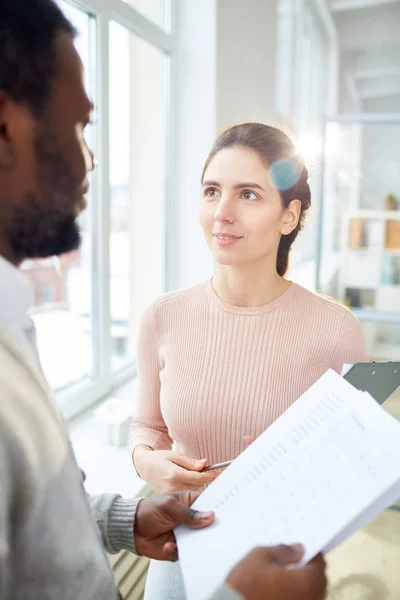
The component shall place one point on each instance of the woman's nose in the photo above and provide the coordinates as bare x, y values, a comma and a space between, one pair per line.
224, 212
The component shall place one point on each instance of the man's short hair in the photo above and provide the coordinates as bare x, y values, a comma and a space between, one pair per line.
28, 61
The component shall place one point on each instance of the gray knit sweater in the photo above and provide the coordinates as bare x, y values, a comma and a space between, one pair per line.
51, 543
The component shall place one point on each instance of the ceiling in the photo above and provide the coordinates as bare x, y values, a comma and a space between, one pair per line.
369, 37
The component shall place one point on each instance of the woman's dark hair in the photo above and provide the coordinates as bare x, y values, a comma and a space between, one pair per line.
287, 170
28, 61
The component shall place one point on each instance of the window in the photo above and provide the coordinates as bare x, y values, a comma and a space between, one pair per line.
303, 68
137, 167
62, 291
85, 311
155, 10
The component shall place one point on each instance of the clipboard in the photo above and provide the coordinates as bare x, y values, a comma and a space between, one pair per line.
380, 379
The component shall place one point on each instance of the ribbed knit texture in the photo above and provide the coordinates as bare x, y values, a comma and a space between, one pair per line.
115, 517
211, 373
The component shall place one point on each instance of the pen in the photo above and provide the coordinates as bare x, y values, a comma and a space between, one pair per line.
218, 466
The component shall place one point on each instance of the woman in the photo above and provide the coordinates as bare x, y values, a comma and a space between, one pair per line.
223, 359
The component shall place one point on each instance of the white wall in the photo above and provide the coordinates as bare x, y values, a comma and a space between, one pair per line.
380, 165
246, 61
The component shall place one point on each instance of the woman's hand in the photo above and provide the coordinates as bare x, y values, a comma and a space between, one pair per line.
167, 471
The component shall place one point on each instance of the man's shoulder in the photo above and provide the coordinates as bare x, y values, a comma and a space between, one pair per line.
30, 428
17, 370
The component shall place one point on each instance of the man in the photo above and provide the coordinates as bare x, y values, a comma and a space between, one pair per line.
50, 545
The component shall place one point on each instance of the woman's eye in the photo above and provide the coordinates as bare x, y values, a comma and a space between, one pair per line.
250, 196
211, 193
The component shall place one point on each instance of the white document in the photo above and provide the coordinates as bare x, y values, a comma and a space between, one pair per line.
325, 468
345, 369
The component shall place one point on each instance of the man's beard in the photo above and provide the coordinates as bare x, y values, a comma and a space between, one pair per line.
44, 224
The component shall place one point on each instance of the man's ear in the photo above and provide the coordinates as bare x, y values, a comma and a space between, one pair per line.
291, 217
7, 149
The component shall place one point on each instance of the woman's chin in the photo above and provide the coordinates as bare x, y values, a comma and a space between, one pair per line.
226, 261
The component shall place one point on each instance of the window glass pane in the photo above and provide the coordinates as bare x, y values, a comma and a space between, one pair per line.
303, 69
154, 10
362, 174
62, 309
137, 170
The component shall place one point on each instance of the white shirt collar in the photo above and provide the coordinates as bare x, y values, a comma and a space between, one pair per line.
16, 297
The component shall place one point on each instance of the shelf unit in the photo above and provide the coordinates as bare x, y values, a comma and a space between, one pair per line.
369, 274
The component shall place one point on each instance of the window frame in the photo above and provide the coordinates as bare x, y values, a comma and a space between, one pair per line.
79, 396
310, 24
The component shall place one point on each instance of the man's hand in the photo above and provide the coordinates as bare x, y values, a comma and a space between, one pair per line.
264, 574
158, 515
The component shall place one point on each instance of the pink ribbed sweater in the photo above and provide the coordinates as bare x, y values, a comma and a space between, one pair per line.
211, 373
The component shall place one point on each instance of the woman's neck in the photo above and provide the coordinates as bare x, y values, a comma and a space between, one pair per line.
247, 286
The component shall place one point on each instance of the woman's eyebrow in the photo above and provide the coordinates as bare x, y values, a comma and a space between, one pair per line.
211, 183
238, 186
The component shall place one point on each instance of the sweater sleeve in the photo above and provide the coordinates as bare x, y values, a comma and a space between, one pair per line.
115, 518
350, 347
148, 426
